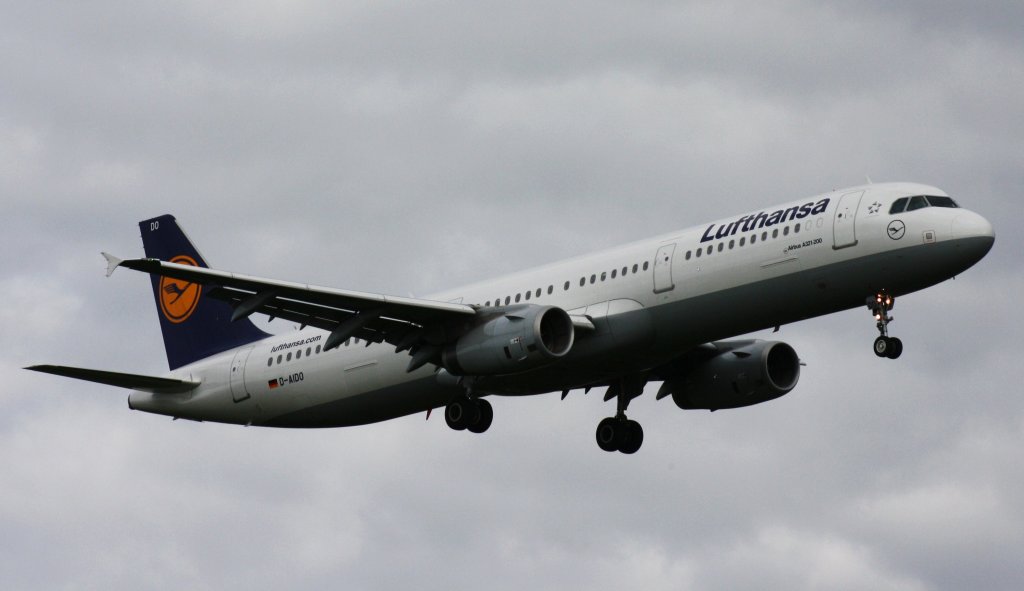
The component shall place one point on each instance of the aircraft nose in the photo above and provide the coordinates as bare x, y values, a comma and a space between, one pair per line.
973, 235
971, 225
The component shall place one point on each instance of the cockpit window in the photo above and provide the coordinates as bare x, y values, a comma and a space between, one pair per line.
936, 201
919, 202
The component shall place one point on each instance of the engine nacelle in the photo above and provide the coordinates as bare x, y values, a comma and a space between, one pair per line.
520, 338
740, 373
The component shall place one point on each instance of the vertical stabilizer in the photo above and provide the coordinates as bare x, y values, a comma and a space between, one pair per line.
194, 325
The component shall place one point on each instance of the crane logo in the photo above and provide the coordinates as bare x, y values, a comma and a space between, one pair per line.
179, 298
897, 229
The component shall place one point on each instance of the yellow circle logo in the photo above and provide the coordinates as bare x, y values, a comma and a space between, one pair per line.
179, 298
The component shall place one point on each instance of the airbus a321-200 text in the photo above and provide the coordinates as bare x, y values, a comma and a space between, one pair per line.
667, 309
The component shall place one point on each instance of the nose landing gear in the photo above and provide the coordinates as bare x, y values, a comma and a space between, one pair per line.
885, 346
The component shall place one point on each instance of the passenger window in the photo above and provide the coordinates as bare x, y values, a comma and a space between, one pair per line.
721, 245
528, 294
796, 229
899, 205
538, 292
743, 240
775, 233
699, 251
288, 357
917, 203
604, 276
646, 264
614, 273
635, 268
270, 362
753, 238
279, 359
298, 354
583, 281
551, 288
764, 236
785, 231
732, 243
625, 270
687, 255
593, 279
566, 286
318, 349
711, 249
518, 296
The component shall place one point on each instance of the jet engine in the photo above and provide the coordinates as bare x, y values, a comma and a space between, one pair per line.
517, 339
735, 374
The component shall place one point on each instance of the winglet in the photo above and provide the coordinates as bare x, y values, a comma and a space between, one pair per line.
112, 262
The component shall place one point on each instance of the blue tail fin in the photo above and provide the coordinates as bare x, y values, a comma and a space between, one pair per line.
194, 325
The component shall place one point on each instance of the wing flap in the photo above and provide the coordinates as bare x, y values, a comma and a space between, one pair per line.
323, 317
152, 384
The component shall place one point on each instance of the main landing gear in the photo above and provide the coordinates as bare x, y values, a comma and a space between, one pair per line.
885, 346
619, 433
468, 413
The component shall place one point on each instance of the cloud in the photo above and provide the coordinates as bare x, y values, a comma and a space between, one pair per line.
409, 148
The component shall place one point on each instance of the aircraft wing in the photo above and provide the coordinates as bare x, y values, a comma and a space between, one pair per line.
152, 384
418, 325
403, 322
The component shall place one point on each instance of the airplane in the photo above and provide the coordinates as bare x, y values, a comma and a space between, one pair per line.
658, 310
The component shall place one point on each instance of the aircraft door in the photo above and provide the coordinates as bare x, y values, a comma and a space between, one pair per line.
844, 232
237, 378
663, 268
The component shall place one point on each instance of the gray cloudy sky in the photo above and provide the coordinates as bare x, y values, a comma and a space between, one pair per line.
404, 148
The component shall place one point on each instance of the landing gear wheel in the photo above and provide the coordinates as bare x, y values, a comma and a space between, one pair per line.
619, 434
890, 347
895, 348
632, 437
885, 346
882, 346
461, 413
607, 431
485, 414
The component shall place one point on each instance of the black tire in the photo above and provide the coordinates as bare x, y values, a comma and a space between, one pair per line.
485, 414
882, 346
895, 348
634, 437
607, 434
461, 413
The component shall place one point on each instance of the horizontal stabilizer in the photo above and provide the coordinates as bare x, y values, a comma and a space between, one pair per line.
152, 384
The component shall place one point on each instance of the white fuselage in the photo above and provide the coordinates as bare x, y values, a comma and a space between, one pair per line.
649, 301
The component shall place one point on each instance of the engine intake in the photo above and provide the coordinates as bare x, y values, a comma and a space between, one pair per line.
519, 338
741, 373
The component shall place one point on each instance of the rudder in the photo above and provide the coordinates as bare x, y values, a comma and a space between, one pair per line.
194, 326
